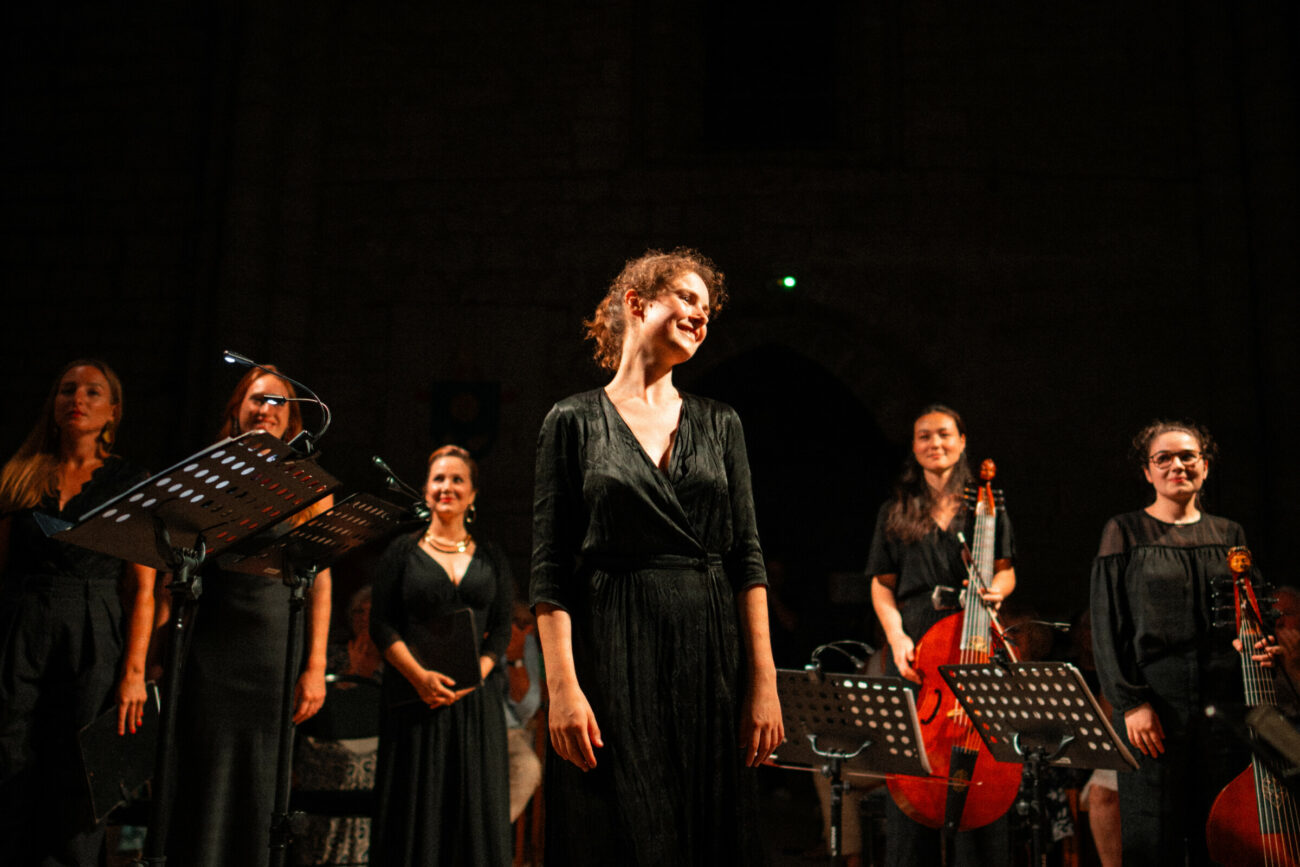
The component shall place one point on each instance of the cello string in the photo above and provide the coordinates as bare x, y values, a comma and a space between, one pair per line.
1279, 815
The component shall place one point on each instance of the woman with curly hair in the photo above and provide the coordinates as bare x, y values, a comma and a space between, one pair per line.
650, 592
1158, 661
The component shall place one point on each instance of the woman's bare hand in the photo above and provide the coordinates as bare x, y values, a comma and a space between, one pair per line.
574, 732
761, 726
1144, 730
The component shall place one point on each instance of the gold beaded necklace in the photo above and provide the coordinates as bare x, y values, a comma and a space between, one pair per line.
456, 547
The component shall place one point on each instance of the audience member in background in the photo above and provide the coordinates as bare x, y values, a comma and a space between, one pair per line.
335, 751
523, 698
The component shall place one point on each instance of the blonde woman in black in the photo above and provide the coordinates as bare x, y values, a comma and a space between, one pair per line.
74, 624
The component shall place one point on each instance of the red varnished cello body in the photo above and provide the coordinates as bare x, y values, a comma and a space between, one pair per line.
968, 787
1255, 821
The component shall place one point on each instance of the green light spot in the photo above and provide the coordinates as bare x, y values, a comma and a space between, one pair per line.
788, 283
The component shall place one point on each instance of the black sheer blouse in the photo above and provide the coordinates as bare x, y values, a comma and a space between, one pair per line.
1151, 587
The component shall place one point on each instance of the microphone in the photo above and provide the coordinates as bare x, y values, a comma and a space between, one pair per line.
304, 443
419, 508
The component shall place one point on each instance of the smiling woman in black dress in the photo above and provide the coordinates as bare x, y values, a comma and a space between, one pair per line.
442, 781
228, 723
651, 595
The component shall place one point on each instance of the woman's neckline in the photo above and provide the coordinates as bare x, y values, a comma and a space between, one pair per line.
1191, 523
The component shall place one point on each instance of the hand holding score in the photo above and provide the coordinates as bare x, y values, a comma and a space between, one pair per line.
435, 689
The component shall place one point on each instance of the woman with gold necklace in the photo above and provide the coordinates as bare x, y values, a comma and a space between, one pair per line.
441, 782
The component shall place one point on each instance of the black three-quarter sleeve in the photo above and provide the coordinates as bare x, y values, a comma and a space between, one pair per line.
386, 595
557, 508
743, 561
1113, 625
498, 619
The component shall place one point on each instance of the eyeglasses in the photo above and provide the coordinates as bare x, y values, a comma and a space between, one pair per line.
1164, 460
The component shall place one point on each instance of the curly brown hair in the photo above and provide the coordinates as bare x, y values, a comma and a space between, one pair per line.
1141, 446
648, 276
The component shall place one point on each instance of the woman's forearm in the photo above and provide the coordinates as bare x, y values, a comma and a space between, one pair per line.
754, 629
555, 634
318, 621
140, 619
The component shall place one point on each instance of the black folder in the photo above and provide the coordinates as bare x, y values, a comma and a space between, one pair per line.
448, 644
118, 766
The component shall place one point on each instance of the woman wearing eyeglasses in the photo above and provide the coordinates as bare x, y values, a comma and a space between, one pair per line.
1158, 658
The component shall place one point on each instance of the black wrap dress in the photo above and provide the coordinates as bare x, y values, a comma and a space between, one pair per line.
1154, 642
62, 631
442, 787
648, 564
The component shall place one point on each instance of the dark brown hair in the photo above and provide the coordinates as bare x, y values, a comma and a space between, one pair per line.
457, 452
230, 416
1140, 450
30, 474
648, 275
909, 518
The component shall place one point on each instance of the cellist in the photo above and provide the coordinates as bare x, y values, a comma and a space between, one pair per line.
915, 549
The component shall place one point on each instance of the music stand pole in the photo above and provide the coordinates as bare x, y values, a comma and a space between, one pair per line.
1035, 757
296, 558
300, 583
186, 587
839, 722
1037, 713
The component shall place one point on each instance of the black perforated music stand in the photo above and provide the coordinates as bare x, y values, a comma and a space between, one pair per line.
175, 520
842, 723
1037, 713
295, 558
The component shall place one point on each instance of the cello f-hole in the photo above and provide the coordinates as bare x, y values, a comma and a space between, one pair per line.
938, 701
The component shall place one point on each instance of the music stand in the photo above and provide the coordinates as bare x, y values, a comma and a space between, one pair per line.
1037, 713
176, 519
837, 723
296, 557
